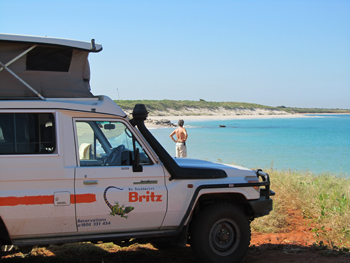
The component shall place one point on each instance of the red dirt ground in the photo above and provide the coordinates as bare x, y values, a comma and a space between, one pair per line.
295, 245
298, 232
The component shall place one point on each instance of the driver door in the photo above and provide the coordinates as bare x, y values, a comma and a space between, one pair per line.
126, 197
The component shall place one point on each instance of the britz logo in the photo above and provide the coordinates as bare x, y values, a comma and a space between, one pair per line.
148, 197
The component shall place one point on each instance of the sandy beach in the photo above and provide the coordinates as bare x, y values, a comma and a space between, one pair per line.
223, 117
154, 121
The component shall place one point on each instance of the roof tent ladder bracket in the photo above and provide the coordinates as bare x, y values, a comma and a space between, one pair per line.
14, 74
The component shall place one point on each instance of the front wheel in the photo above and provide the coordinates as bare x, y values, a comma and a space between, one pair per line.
220, 233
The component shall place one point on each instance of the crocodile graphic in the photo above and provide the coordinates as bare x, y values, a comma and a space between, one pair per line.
116, 209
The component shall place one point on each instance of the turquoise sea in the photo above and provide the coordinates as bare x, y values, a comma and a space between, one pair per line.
318, 143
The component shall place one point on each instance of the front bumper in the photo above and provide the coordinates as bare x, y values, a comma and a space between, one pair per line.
262, 206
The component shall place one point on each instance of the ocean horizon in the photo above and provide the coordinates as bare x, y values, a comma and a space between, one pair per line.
316, 144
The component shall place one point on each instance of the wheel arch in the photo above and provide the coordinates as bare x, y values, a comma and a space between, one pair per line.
201, 199
238, 199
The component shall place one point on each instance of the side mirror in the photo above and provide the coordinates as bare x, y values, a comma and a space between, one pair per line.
137, 168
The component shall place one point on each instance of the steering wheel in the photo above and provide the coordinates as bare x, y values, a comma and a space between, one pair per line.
115, 157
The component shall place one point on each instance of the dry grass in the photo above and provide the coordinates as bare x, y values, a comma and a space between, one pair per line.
324, 199
87, 252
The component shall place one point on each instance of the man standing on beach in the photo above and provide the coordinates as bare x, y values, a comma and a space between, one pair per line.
181, 137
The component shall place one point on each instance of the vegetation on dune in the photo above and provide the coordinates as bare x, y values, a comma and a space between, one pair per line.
313, 110
324, 199
166, 105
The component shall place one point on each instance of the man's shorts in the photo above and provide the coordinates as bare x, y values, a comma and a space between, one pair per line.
181, 150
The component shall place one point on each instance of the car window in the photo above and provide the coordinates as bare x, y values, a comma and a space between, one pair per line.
108, 144
27, 133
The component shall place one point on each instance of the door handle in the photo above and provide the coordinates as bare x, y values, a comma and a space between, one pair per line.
91, 182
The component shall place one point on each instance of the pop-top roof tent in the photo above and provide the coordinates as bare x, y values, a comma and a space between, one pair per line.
44, 67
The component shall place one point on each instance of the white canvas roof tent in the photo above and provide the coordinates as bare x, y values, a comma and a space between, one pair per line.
44, 67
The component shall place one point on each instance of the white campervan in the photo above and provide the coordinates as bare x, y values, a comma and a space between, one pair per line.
73, 167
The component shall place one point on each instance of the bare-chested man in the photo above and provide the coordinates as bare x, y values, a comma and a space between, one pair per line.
181, 137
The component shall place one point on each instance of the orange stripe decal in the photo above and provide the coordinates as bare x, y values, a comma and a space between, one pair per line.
26, 200
44, 200
83, 198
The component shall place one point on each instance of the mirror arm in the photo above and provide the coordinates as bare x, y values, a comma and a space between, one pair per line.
137, 168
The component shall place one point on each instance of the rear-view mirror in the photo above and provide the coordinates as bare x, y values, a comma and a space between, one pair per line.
109, 126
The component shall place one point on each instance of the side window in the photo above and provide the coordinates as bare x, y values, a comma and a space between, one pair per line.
49, 59
27, 133
108, 144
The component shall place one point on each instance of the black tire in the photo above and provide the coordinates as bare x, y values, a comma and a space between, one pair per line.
220, 234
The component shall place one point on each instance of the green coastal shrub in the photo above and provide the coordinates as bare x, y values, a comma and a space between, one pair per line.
166, 105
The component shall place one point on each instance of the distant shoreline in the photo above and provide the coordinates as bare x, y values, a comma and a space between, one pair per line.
166, 113
162, 120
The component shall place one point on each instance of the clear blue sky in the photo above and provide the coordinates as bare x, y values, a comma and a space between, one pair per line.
272, 52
